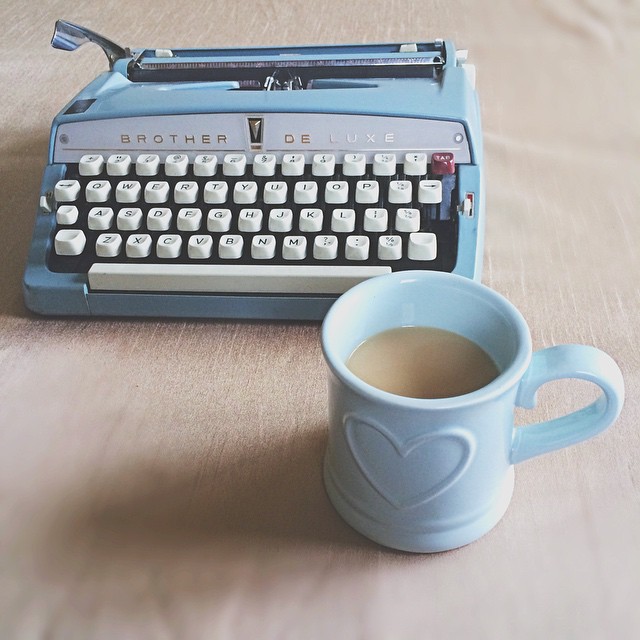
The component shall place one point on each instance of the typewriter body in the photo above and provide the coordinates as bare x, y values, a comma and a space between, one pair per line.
255, 183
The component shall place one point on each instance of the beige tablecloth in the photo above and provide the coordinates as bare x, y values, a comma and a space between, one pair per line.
162, 479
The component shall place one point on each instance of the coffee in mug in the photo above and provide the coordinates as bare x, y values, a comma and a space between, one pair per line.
422, 362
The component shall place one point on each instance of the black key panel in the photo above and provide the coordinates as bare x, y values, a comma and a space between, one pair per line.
440, 219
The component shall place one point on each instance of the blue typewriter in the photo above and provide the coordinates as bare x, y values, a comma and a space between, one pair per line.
255, 183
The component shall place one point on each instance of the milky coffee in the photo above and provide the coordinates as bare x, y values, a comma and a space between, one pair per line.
422, 362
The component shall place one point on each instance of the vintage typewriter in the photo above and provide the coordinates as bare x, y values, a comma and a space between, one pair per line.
255, 183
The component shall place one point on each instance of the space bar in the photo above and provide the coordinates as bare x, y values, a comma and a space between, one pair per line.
236, 278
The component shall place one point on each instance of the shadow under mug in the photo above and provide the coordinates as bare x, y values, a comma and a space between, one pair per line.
428, 475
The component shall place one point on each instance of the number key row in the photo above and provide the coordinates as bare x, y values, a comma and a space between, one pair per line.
266, 164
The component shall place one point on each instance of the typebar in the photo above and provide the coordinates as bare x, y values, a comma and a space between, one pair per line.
183, 278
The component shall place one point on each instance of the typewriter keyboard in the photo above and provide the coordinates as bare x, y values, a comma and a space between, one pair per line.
267, 223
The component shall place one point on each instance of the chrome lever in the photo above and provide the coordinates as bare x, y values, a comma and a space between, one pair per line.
68, 37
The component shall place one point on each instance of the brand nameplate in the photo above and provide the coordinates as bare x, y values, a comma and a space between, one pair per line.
271, 132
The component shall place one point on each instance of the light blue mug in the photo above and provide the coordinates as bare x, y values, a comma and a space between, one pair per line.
429, 475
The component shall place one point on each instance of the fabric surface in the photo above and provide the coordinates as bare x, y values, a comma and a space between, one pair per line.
162, 479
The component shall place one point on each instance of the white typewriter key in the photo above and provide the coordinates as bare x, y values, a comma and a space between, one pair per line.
169, 245
343, 220
231, 277
390, 247
336, 192
354, 164
408, 220
305, 192
400, 192
129, 219
139, 245
230, 247
250, 220
66, 190
67, 214
108, 245
205, 166
176, 164
200, 247
219, 220
325, 248
148, 165
422, 246
415, 164
91, 165
280, 220
294, 248
275, 192
189, 219
384, 164
118, 165
45, 204
430, 191
264, 164
156, 192
97, 191
263, 247
159, 219
376, 219
292, 164
185, 192
234, 164
216, 192
324, 164
100, 218
69, 242
128, 191
311, 220
357, 248
367, 192
245, 192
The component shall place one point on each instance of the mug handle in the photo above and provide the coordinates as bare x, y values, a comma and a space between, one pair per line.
567, 361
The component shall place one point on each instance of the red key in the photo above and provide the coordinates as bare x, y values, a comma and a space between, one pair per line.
442, 163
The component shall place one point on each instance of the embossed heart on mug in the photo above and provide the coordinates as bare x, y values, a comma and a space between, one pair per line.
408, 473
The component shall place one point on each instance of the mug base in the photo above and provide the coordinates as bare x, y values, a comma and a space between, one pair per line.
444, 539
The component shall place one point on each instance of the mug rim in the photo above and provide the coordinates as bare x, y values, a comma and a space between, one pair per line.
507, 378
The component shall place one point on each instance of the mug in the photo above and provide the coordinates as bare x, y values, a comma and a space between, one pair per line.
428, 475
